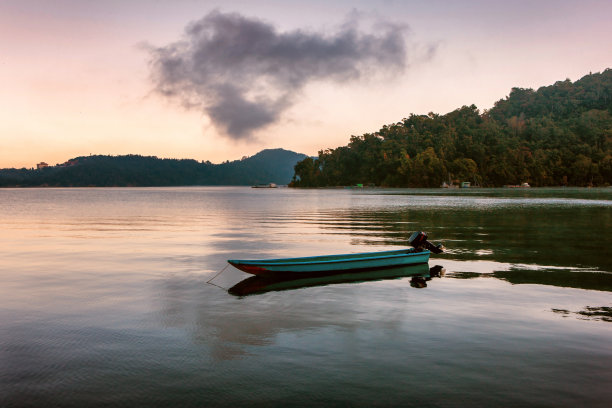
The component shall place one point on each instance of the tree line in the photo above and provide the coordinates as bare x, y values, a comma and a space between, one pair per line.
558, 135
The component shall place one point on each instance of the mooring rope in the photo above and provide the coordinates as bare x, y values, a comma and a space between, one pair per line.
219, 273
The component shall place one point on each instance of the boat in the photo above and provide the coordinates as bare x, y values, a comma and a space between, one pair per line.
329, 264
269, 185
261, 284
523, 185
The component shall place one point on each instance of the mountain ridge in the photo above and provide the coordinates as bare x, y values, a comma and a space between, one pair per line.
267, 166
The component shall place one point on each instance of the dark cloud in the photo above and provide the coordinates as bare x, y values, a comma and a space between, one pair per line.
243, 73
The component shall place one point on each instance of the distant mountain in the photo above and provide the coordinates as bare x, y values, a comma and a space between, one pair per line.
267, 166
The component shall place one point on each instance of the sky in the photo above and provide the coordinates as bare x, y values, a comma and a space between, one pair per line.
211, 80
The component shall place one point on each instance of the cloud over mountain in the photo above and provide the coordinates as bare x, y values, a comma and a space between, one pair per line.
243, 73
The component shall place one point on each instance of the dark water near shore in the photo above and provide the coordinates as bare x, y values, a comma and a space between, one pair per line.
104, 301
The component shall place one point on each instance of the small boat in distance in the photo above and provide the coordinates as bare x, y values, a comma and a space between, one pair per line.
522, 185
329, 264
269, 185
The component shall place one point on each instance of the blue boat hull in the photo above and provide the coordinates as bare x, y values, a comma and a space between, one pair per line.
333, 263
262, 284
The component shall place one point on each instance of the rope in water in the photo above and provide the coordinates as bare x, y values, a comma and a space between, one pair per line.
219, 273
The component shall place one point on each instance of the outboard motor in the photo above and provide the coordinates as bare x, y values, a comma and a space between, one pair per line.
419, 241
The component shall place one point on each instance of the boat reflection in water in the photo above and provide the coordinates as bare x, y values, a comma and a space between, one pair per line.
420, 273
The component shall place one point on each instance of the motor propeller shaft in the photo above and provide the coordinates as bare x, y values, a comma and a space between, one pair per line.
419, 241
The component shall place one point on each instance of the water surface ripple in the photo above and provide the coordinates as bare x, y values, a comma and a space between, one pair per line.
104, 300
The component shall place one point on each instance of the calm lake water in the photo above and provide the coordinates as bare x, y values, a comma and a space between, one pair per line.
104, 299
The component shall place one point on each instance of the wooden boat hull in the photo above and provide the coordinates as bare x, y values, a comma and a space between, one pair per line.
262, 284
328, 264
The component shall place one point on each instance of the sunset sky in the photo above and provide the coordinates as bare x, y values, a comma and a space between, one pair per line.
216, 81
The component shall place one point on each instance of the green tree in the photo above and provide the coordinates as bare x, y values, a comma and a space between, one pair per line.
427, 170
305, 173
463, 169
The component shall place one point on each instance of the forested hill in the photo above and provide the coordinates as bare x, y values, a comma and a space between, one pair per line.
558, 135
267, 166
